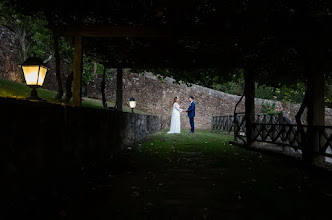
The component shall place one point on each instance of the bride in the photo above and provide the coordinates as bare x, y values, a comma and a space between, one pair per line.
175, 120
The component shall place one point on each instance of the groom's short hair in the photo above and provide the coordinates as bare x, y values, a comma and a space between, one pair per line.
192, 97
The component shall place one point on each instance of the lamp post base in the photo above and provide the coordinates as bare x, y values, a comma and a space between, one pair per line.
34, 95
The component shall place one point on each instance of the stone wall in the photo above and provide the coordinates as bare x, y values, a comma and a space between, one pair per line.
45, 145
9, 55
156, 97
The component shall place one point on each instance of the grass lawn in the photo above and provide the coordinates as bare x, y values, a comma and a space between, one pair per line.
201, 176
21, 91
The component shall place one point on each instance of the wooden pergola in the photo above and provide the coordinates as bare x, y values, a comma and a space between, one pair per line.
160, 36
193, 34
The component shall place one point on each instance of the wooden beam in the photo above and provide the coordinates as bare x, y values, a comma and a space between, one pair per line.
111, 31
144, 31
78, 67
206, 31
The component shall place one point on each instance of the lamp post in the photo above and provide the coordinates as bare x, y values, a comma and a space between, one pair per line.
34, 73
132, 103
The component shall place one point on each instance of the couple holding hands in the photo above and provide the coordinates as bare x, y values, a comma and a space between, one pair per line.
175, 120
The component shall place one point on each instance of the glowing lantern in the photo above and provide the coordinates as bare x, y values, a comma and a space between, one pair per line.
132, 103
34, 73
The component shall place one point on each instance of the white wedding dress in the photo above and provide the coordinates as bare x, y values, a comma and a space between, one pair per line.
175, 120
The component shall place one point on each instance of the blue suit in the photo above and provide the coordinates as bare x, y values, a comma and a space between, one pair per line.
191, 115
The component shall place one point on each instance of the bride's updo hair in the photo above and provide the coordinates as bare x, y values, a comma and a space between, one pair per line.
174, 100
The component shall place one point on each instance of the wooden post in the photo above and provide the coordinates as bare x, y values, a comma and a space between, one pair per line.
316, 110
318, 107
102, 88
249, 92
236, 126
212, 123
315, 99
119, 85
78, 67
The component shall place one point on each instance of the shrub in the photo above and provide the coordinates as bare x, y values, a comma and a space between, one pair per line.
270, 108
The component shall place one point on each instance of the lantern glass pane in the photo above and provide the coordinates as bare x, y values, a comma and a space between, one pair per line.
42, 75
30, 74
132, 104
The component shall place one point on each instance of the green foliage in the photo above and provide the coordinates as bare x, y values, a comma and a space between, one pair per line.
230, 87
270, 108
264, 92
40, 37
328, 90
31, 31
66, 48
90, 69
292, 94
234, 85
34, 37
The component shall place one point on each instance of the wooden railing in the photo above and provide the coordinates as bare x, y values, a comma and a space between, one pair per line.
277, 129
230, 123
273, 128
325, 141
281, 134
224, 123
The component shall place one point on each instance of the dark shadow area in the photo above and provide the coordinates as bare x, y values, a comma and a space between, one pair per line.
190, 177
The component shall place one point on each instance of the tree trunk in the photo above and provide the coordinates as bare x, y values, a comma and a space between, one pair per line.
78, 68
69, 82
306, 152
102, 86
57, 68
119, 89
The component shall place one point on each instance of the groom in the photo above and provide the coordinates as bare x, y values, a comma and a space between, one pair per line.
191, 113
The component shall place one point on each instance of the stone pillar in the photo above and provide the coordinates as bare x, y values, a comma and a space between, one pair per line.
78, 67
119, 86
249, 92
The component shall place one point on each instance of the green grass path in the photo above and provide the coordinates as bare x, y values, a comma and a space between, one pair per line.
201, 176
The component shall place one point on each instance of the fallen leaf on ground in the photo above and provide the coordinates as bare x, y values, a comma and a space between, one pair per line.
135, 194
